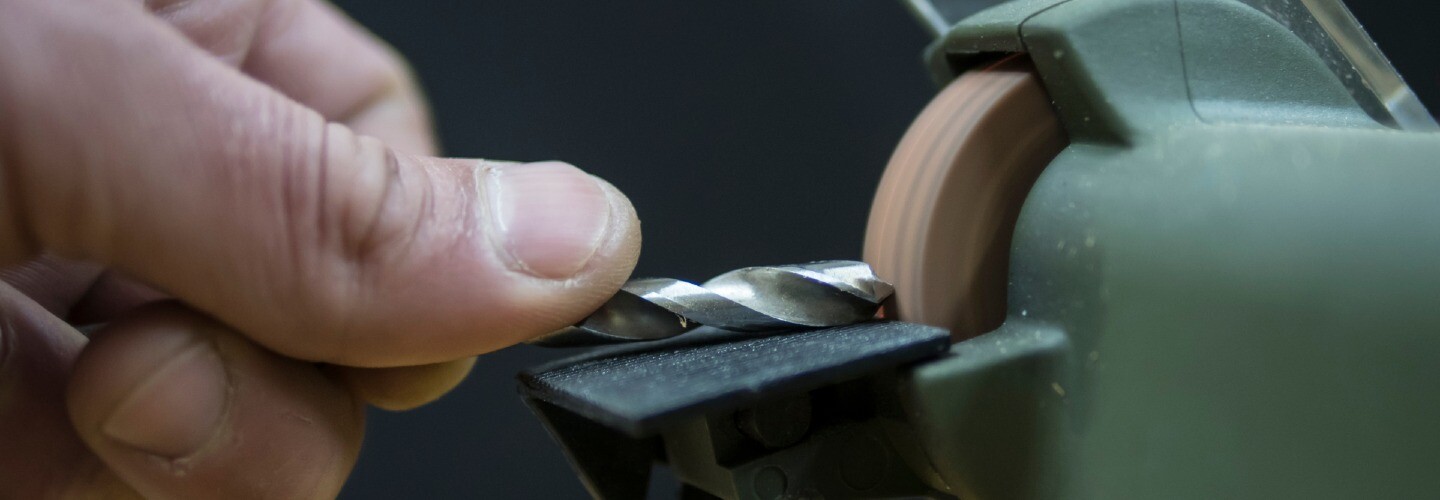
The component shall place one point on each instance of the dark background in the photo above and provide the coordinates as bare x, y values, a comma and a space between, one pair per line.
746, 132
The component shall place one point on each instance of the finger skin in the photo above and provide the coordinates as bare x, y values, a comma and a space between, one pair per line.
316, 242
404, 387
53, 282
40, 454
310, 51
313, 53
284, 429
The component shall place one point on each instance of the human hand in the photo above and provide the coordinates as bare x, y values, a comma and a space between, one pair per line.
221, 151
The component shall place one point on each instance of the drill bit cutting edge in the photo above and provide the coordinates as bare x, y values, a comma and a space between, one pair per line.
752, 299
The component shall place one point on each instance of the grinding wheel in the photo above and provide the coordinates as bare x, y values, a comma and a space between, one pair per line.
941, 225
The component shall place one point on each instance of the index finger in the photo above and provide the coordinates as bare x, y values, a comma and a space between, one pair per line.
316, 55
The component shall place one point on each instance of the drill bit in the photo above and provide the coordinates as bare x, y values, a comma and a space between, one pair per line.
753, 299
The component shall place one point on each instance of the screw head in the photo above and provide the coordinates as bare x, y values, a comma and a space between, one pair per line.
777, 424
770, 483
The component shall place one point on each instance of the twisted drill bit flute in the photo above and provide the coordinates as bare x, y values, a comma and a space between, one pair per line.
753, 299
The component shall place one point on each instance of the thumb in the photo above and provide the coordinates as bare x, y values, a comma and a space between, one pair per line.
142, 152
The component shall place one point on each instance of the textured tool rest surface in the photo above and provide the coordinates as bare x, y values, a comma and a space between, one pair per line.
641, 391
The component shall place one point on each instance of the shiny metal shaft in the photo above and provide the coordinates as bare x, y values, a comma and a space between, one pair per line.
813, 295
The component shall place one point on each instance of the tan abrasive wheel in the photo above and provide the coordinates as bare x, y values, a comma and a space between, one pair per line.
941, 225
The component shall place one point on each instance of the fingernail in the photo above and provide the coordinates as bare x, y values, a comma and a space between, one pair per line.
176, 408
550, 216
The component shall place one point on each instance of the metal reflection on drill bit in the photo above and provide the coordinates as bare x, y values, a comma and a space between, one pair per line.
753, 299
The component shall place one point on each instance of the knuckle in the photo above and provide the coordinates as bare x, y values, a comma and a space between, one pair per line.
376, 204
224, 28
307, 166
361, 221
